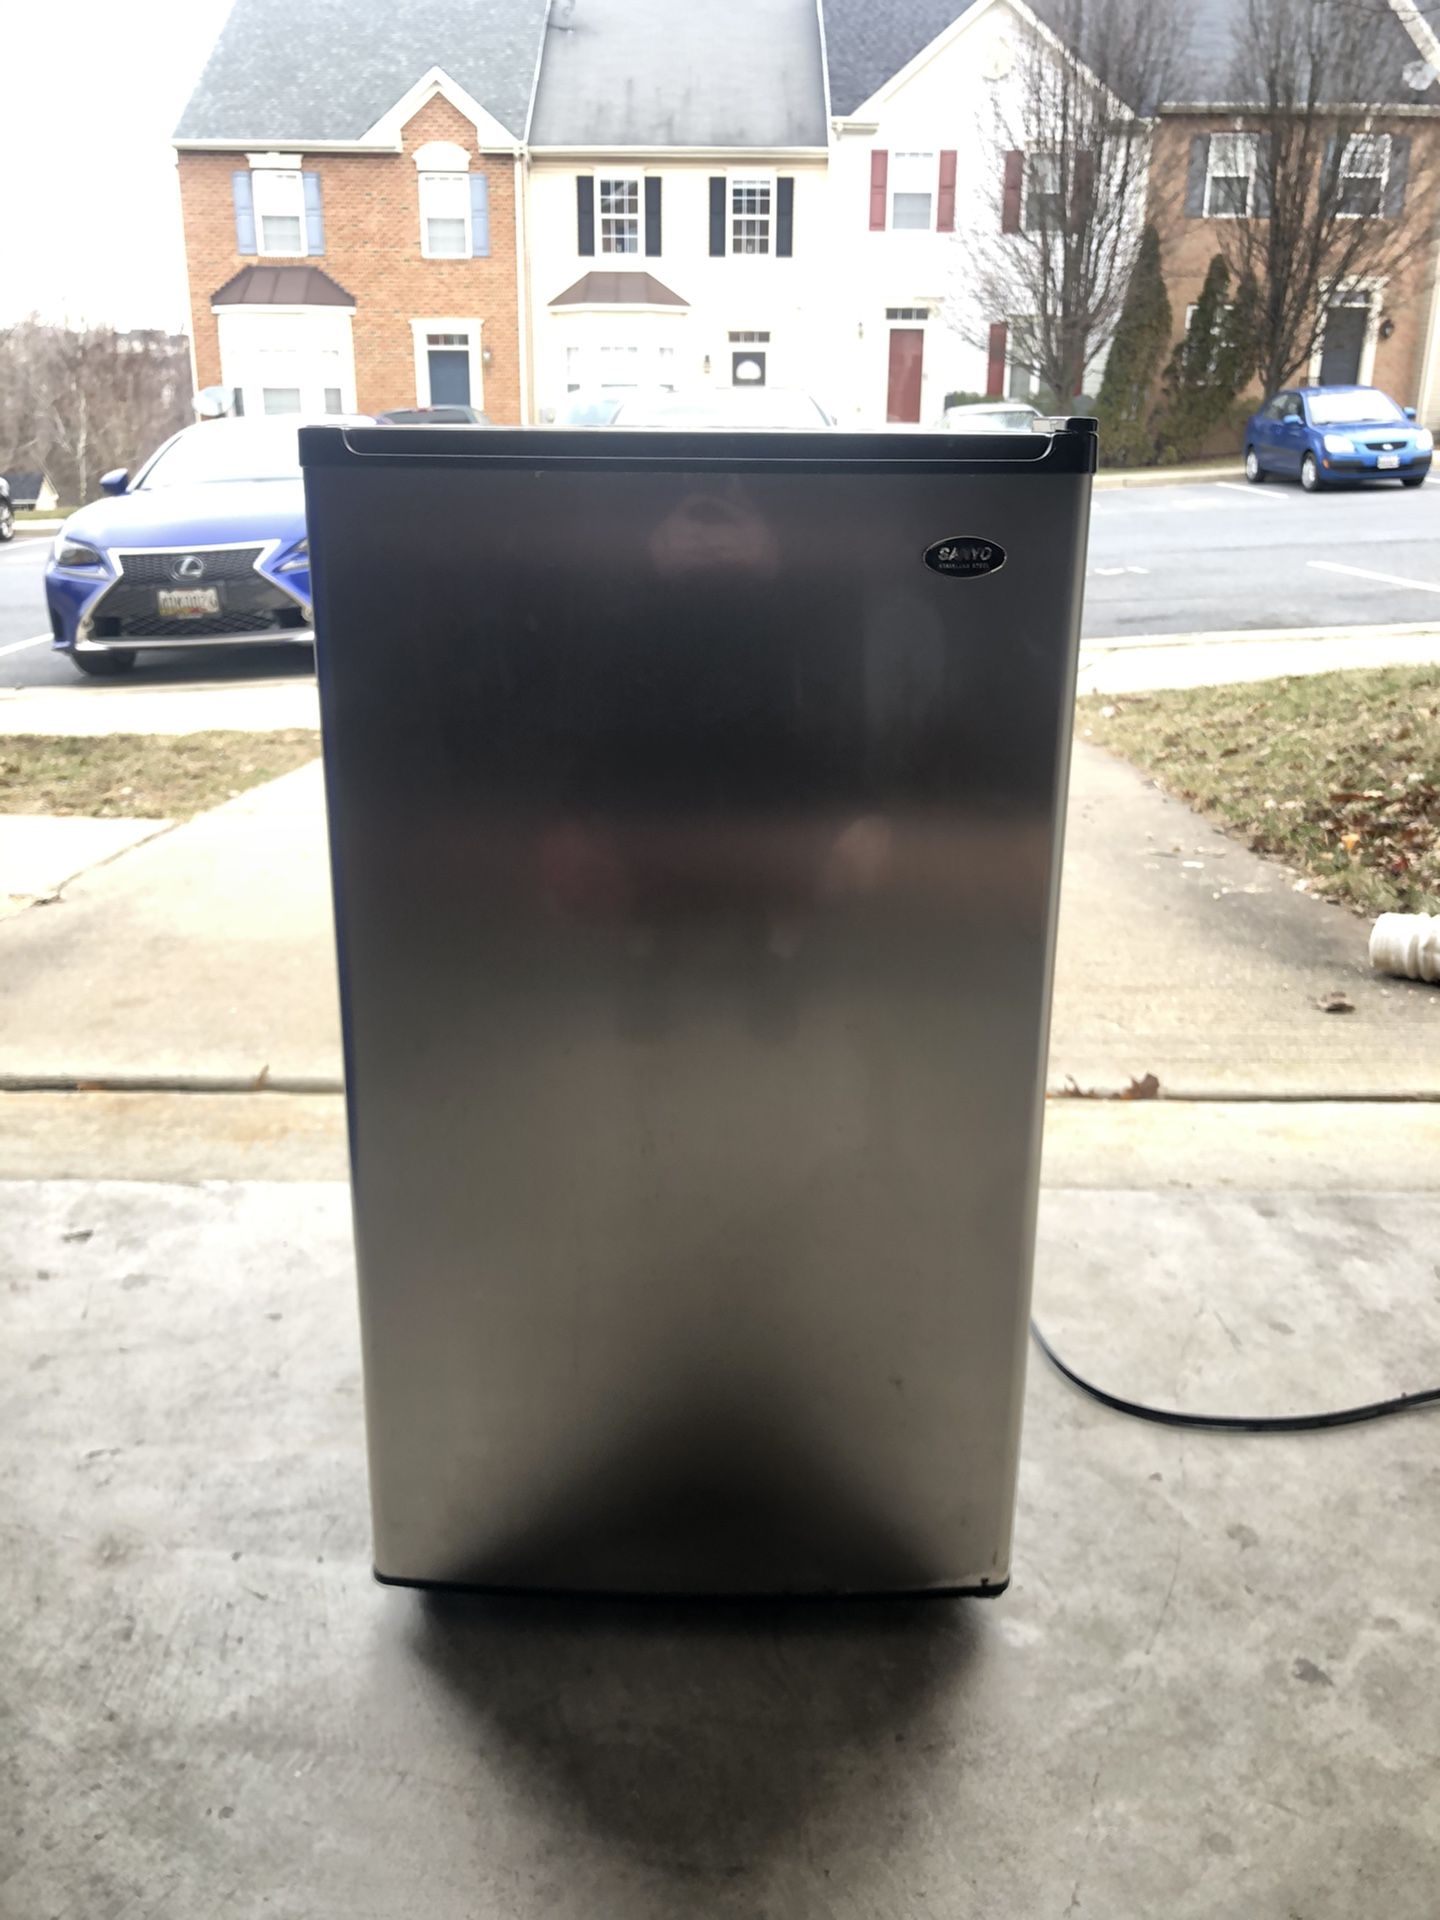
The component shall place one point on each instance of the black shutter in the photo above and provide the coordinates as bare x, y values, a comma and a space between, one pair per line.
585, 212
1262, 198
1330, 176
652, 213
1195, 178
1398, 175
785, 216
717, 213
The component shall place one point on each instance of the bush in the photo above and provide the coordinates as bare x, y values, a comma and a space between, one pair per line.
1211, 364
966, 399
1141, 335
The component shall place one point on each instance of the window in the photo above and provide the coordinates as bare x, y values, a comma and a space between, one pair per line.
912, 183
750, 207
619, 215
279, 210
1021, 380
445, 216
1230, 175
749, 339
281, 399
572, 369
1045, 202
1363, 168
619, 366
665, 366
907, 313
332, 400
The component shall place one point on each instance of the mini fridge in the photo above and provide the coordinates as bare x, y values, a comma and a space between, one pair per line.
695, 806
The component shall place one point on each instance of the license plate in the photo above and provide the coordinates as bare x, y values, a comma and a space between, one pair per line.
1388, 460
187, 603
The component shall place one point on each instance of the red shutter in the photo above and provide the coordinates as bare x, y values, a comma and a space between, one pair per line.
945, 205
1014, 189
879, 174
995, 372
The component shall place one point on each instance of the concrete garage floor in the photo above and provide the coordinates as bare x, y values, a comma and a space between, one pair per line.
1211, 1690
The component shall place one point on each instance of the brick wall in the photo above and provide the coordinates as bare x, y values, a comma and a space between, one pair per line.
1188, 244
372, 248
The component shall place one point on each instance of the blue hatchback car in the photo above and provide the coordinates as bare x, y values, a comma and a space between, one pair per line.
205, 547
1320, 435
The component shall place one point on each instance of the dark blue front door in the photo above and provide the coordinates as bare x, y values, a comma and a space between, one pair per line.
449, 377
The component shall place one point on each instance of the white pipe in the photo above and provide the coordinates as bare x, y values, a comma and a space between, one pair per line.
1407, 944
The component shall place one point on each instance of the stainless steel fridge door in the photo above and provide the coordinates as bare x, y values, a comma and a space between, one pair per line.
695, 805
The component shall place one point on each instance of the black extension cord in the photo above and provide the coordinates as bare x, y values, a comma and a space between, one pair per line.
1238, 1422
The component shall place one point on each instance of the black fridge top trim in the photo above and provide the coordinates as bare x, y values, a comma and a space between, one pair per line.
1071, 449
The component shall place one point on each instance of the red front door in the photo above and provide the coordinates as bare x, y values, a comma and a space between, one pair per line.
907, 350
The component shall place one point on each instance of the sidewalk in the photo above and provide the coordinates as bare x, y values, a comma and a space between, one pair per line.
1143, 663
204, 957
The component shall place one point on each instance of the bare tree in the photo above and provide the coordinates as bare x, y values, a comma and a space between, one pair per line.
77, 401
1325, 200
1072, 151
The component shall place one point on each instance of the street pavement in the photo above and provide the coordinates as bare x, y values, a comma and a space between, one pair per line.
1184, 558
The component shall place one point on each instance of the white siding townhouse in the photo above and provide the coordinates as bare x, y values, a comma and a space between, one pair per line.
677, 197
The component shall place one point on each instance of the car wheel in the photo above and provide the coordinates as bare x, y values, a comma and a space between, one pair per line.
1310, 474
1412, 479
104, 666
7, 520
1254, 472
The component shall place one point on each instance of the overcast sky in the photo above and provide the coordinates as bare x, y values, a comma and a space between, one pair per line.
90, 92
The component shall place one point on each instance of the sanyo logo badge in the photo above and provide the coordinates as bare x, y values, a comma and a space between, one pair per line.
964, 558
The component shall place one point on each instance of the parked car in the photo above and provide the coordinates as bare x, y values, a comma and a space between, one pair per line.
7, 511
456, 416
733, 408
204, 547
1327, 434
991, 416
597, 409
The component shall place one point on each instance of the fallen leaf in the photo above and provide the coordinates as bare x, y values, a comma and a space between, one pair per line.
1145, 1088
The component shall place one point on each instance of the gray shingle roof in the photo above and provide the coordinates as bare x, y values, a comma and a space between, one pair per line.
648, 73
1210, 70
294, 70
868, 41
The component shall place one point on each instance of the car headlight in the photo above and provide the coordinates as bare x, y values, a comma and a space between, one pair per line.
297, 560
75, 553
1339, 443
1424, 440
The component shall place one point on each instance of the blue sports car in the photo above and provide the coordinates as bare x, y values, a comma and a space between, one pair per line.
1324, 434
205, 547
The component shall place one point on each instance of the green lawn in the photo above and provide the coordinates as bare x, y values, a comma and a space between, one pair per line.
1337, 773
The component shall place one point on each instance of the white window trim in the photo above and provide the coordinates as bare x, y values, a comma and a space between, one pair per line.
1368, 292
279, 253
756, 176
471, 328
446, 173
1210, 175
933, 189
441, 156
1384, 177
637, 181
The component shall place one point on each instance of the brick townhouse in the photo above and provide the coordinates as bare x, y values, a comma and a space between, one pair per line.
1206, 172
352, 196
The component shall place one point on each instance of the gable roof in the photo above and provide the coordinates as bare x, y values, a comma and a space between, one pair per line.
681, 73
24, 486
290, 71
867, 42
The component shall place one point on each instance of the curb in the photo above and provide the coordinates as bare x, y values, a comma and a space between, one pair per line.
1262, 636
1108, 478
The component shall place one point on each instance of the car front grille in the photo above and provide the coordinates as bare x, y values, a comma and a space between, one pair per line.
158, 569
1385, 446
207, 627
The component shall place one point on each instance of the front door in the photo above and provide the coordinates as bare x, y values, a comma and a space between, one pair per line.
449, 376
1344, 344
907, 351
747, 368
